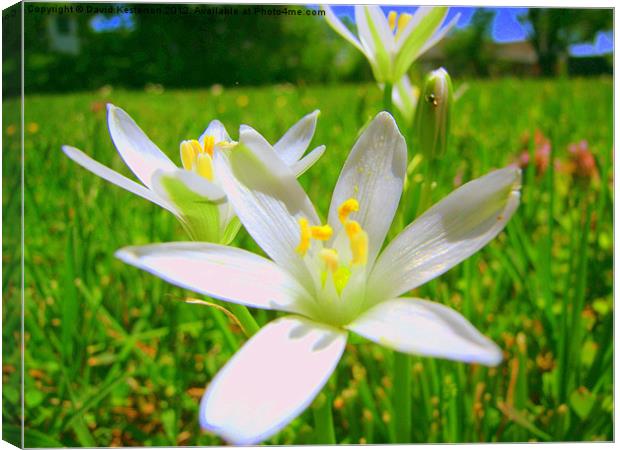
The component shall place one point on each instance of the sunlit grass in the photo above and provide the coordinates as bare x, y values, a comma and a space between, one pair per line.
114, 357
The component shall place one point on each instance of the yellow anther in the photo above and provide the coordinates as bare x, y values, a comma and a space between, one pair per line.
204, 166
188, 154
358, 240
321, 233
330, 258
305, 234
209, 144
403, 21
352, 228
359, 248
392, 19
346, 208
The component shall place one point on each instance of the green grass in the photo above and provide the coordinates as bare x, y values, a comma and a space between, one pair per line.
114, 357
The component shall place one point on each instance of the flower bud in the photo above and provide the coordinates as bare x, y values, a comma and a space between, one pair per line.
432, 123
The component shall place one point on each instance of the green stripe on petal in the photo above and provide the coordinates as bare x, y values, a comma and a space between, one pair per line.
199, 216
416, 40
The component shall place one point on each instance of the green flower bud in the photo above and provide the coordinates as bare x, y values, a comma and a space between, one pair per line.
432, 122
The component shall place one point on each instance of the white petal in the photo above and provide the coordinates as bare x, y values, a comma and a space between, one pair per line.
194, 182
414, 22
139, 153
307, 161
295, 141
271, 380
267, 198
380, 22
405, 98
449, 232
426, 328
438, 36
363, 30
341, 29
217, 130
418, 32
226, 273
116, 178
373, 174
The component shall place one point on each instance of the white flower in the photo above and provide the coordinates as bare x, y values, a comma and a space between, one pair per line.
405, 97
391, 44
332, 278
192, 193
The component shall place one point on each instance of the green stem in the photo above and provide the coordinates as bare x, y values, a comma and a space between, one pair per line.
427, 183
402, 397
323, 420
387, 97
221, 321
245, 317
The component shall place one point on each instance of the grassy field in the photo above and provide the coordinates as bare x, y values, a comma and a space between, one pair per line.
115, 357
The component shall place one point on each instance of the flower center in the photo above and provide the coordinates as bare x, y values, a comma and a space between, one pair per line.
199, 158
340, 268
398, 22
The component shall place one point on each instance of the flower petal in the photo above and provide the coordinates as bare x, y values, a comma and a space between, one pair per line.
271, 380
116, 178
373, 174
438, 36
405, 97
449, 232
420, 29
341, 29
217, 130
295, 141
198, 201
373, 38
420, 327
192, 181
137, 150
226, 273
307, 161
380, 23
267, 198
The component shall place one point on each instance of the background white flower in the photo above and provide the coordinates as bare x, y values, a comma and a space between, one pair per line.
192, 193
332, 277
391, 44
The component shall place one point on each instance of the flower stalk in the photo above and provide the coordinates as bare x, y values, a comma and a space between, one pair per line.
387, 97
401, 400
323, 420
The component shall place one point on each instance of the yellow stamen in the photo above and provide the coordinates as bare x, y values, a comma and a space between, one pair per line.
347, 207
392, 19
358, 240
330, 258
204, 166
305, 235
321, 233
352, 228
403, 21
209, 144
188, 155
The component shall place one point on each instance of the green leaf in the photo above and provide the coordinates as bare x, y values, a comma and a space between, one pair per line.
582, 402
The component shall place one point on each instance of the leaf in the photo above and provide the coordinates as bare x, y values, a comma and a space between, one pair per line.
582, 402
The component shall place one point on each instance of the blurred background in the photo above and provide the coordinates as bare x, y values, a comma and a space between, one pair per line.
197, 47
115, 357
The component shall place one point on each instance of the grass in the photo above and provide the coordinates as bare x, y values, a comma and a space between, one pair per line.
115, 357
